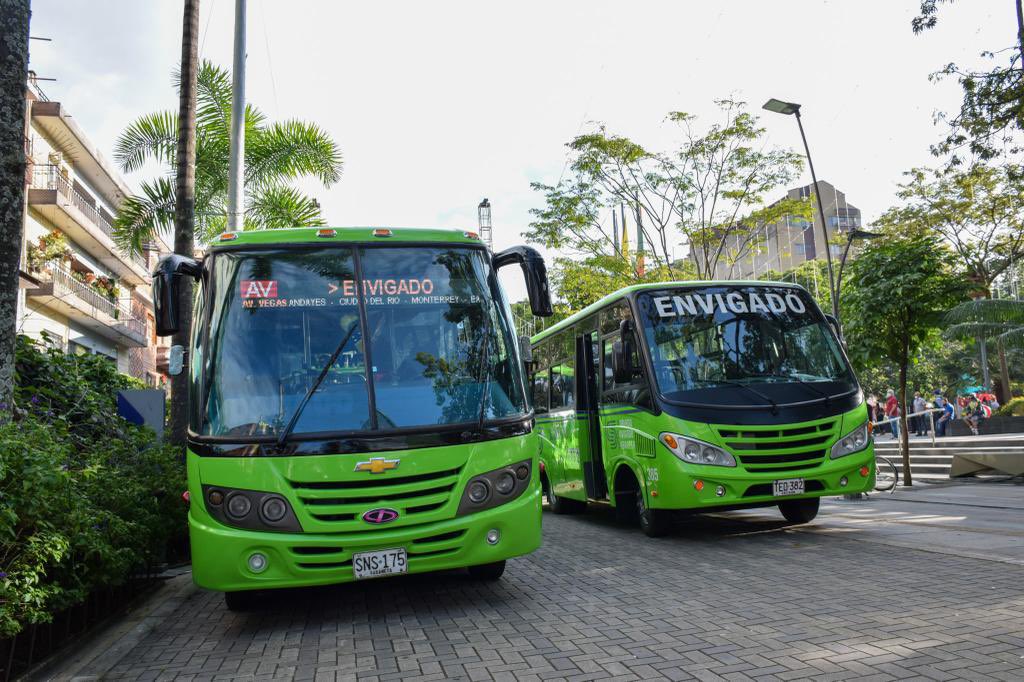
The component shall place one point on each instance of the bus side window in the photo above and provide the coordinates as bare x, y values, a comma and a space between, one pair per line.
540, 391
563, 386
636, 390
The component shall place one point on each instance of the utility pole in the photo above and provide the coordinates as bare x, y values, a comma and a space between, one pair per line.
236, 167
184, 206
14, 22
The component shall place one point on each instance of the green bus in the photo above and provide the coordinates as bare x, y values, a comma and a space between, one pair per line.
685, 397
358, 406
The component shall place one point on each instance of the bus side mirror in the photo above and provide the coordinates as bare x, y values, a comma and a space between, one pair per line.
622, 354
535, 273
167, 290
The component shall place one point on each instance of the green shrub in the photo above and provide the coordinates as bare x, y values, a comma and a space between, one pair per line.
1014, 408
86, 498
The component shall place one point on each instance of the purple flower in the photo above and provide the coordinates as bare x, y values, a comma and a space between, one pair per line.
35, 400
3, 406
2, 574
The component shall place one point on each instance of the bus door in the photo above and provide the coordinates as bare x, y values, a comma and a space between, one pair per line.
587, 416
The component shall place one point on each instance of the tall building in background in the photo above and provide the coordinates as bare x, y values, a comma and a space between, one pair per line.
792, 241
79, 292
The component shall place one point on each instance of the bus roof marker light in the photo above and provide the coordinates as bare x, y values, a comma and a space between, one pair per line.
382, 232
471, 235
326, 233
229, 237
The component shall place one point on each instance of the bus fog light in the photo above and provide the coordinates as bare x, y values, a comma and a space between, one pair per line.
257, 562
720, 491
843, 481
506, 483
239, 506
274, 509
478, 491
493, 536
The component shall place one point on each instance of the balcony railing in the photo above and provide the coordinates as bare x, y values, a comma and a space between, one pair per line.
49, 177
64, 283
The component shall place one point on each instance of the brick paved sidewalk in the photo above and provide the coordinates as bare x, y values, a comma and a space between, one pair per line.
721, 599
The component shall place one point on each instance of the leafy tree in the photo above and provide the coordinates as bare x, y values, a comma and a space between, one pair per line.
709, 193
999, 319
899, 287
275, 154
977, 211
991, 115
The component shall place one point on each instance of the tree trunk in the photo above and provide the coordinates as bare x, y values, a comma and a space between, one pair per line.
1004, 376
14, 20
184, 207
902, 397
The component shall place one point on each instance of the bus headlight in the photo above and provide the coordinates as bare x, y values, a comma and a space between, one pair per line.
855, 441
250, 509
696, 451
494, 488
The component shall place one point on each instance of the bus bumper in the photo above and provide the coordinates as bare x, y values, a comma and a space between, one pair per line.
220, 555
706, 488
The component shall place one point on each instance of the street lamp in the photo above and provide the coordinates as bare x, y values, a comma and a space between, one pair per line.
789, 108
850, 237
483, 213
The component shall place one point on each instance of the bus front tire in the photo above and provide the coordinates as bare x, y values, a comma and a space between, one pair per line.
655, 523
800, 511
631, 509
487, 572
240, 601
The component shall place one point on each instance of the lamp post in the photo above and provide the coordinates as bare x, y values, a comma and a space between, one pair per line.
483, 214
791, 108
850, 237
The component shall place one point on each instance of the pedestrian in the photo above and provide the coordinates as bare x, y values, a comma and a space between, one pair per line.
920, 414
944, 417
892, 412
973, 413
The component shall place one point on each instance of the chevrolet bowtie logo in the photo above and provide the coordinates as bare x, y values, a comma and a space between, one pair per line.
377, 465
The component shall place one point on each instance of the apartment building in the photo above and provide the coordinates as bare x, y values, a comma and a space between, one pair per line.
792, 241
79, 292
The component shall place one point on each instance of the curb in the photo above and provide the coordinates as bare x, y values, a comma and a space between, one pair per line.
98, 654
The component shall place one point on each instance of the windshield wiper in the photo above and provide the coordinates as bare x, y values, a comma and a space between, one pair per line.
316, 384
808, 385
484, 350
762, 396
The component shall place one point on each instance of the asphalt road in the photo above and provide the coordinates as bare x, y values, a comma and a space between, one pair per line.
926, 584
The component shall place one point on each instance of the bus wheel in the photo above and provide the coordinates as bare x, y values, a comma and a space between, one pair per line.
800, 511
488, 572
655, 523
240, 601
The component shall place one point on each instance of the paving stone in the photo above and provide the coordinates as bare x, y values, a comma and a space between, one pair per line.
601, 602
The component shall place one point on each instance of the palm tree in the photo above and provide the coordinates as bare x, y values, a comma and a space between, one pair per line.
989, 318
275, 154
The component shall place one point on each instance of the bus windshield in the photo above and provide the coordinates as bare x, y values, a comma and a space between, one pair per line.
432, 347
766, 345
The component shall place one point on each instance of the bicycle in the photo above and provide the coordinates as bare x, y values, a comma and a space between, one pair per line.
887, 474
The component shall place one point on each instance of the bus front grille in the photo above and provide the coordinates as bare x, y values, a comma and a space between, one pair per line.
324, 557
768, 449
341, 503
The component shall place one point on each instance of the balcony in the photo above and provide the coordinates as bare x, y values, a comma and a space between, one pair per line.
76, 300
75, 213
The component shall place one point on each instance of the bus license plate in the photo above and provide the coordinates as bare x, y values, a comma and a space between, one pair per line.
376, 564
788, 486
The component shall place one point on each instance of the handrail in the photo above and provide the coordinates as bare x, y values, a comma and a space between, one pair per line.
48, 176
122, 316
886, 420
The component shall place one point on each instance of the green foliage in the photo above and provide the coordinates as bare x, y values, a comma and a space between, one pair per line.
991, 116
1014, 408
709, 192
275, 155
85, 497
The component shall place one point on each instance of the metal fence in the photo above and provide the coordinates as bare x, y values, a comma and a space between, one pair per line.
48, 176
64, 283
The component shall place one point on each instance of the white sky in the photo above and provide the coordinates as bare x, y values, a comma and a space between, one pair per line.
438, 104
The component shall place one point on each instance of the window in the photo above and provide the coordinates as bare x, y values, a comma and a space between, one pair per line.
563, 386
540, 391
